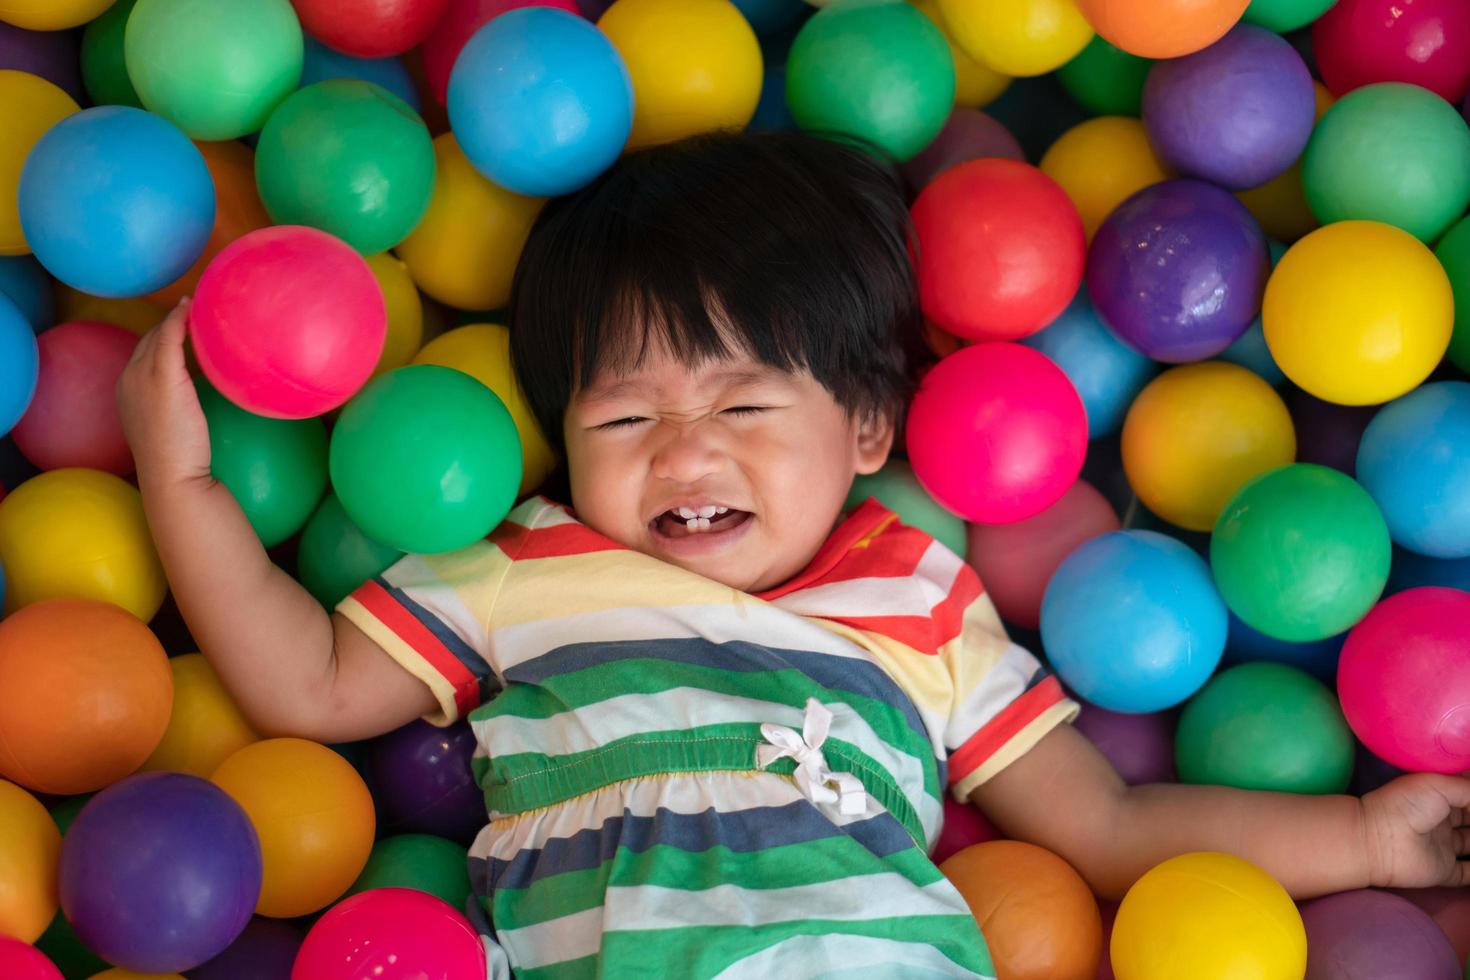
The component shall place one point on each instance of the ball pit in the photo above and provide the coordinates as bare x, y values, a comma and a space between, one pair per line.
428, 864
321, 64
25, 283
334, 557
423, 776
1368, 933
1425, 43
51, 55
1162, 28
29, 107
453, 30
73, 419
1030, 37
405, 934
1284, 16
205, 727
104, 58
976, 83
968, 134
30, 846
1106, 80
24, 962
375, 29
20, 365
1100, 163
1453, 252
266, 948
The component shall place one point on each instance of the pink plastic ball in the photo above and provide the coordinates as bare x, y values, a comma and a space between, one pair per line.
391, 934
1422, 42
1404, 680
996, 433
963, 825
22, 961
460, 22
73, 418
288, 322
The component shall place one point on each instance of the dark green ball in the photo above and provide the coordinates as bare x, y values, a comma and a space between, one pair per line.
419, 861
335, 557
1104, 80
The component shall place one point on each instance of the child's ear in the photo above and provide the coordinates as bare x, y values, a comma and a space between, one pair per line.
874, 441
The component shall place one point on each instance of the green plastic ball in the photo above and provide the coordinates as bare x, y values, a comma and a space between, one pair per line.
1300, 553
214, 68
1265, 726
1283, 16
1104, 80
104, 69
899, 490
428, 864
275, 468
1390, 152
875, 69
1453, 252
426, 459
348, 157
334, 557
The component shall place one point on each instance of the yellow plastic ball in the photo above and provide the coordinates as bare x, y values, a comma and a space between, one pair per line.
976, 85
1018, 37
464, 250
482, 350
1358, 312
313, 815
1101, 162
51, 15
1208, 916
79, 533
134, 313
30, 847
405, 311
1197, 434
695, 65
205, 727
29, 106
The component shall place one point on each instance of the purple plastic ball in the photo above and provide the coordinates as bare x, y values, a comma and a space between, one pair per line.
422, 782
264, 951
160, 872
1328, 434
1140, 747
1371, 935
1178, 269
53, 55
968, 135
1238, 113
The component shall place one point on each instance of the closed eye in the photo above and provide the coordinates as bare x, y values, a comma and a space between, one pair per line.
619, 423
740, 410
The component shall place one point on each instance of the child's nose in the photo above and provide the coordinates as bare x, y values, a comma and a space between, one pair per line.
687, 454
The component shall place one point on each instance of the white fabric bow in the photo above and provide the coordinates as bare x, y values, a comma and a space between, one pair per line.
812, 775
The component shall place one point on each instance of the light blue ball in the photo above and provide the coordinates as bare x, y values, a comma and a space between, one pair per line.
322, 64
1318, 658
1132, 622
26, 284
1415, 461
540, 101
116, 201
19, 364
1106, 373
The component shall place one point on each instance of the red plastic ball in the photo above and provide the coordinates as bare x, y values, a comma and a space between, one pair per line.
73, 418
1000, 249
22, 961
369, 28
996, 433
1422, 42
391, 934
964, 825
460, 22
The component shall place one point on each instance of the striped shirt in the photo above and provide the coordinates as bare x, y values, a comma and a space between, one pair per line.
627, 713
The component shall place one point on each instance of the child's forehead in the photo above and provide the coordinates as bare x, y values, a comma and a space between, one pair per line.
665, 376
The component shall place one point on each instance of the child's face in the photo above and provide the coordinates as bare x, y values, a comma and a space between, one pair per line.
773, 447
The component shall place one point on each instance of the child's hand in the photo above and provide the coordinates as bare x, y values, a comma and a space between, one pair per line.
160, 409
1414, 830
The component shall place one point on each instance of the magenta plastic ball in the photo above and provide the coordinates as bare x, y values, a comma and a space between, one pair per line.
422, 782
1404, 680
1373, 935
288, 322
1178, 270
968, 135
1238, 113
963, 826
391, 934
22, 961
1140, 747
996, 433
73, 419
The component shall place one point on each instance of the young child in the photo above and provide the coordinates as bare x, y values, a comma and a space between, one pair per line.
715, 713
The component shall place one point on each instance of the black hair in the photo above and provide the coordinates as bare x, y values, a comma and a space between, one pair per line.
787, 246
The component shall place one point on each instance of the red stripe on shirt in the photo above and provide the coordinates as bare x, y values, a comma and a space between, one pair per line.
377, 600
1003, 727
557, 541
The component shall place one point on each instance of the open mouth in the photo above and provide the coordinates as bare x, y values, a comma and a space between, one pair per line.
685, 522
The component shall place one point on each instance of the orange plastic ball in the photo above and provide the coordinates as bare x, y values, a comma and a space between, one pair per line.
1162, 28
85, 693
1038, 915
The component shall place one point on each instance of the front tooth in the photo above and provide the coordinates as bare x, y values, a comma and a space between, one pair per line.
704, 523
687, 513
722, 510
707, 511
692, 524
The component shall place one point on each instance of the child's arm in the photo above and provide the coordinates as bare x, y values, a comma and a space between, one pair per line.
291, 668
1063, 795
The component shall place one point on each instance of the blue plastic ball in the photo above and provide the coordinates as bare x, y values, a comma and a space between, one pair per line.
116, 201
540, 101
26, 284
19, 364
1132, 622
1415, 461
322, 64
1318, 658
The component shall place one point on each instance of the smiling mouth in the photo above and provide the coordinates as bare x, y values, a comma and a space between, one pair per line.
685, 523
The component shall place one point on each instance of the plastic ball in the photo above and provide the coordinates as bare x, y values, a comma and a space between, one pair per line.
314, 817
20, 365
1038, 916
968, 135
1453, 252
465, 249
423, 780
1001, 250
375, 29
135, 314
21, 961
1365, 933
322, 64
1208, 916
288, 322
695, 65
104, 62
1016, 561
976, 84
30, 846
1106, 80
405, 308
79, 533
334, 556
1280, 205
1139, 746
51, 55
1030, 37
1238, 113
1102, 162
876, 69
1318, 658
1132, 622
1358, 313
963, 826
118, 973
996, 433
426, 459
461, 19
266, 948
391, 934
205, 726
1284, 16
160, 872
214, 68
73, 418
1162, 28
85, 695
1404, 680
1424, 43
428, 864
124, 229
1301, 553
511, 121
29, 107
1160, 252
25, 283
50, 15
896, 487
